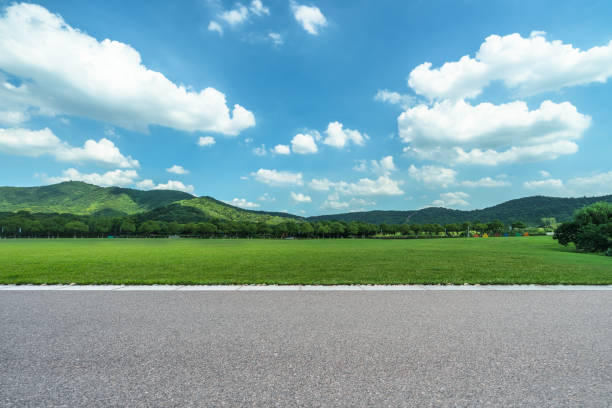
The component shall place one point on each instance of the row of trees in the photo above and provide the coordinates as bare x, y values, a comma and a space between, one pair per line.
25, 224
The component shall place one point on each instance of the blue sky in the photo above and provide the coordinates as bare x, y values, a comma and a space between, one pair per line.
342, 106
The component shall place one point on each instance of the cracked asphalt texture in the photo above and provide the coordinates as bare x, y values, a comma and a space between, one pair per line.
177, 349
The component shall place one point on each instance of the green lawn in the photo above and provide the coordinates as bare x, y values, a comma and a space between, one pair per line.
196, 261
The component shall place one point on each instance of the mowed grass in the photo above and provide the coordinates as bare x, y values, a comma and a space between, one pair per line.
533, 260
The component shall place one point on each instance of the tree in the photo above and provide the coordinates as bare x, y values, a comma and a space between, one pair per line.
590, 230
149, 228
128, 227
76, 227
518, 225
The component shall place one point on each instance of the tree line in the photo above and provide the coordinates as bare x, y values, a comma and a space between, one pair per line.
25, 224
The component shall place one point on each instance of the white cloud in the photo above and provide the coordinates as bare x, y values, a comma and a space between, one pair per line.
214, 26
282, 149
452, 200
526, 65
384, 166
146, 184
543, 184
486, 182
339, 137
13, 117
596, 184
35, 143
433, 176
242, 203
206, 141
119, 178
303, 144
394, 98
235, 16
278, 178
383, 185
267, 198
309, 17
260, 151
176, 169
300, 198
334, 202
321, 185
258, 8
175, 185
276, 38
544, 174
70, 72
490, 134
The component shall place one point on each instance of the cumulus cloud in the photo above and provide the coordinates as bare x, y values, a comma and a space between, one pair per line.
383, 185
595, 184
35, 143
242, 203
267, 198
175, 185
282, 149
433, 176
260, 151
235, 16
339, 137
214, 26
276, 39
486, 182
206, 141
258, 8
334, 202
176, 169
300, 198
394, 98
456, 199
544, 174
278, 178
13, 117
543, 184
309, 17
69, 72
525, 65
303, 144
119, 178
487, 134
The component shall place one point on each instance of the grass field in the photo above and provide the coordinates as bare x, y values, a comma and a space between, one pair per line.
195, 261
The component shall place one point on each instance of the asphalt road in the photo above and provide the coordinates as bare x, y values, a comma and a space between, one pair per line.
84, 349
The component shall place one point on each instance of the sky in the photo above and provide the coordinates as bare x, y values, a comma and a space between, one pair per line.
311, 107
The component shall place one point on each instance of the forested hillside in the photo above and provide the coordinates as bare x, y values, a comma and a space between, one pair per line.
75, 197
207, 208
529, 210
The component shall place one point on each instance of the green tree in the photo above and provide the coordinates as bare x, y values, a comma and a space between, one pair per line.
76, 227
128, 227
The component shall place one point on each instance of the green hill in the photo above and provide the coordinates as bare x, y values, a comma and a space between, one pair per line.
76, 197
370, 217
529, 210
211, 208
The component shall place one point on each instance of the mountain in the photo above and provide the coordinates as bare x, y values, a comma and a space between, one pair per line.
80, 198
76, 197
370, 217
206, 208
529, 210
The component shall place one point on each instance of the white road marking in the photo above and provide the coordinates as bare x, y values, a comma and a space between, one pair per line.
343, 288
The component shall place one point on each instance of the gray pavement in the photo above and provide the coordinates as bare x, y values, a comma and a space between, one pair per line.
306, 348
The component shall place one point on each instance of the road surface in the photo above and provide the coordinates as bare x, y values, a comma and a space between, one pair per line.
317, 348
